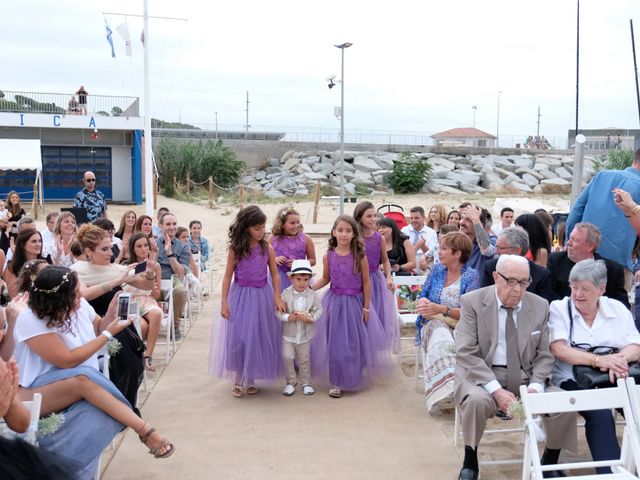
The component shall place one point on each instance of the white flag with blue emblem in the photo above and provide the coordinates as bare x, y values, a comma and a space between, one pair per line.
123, 30
109, 39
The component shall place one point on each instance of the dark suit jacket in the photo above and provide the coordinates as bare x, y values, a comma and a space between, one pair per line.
560, 266
540, 279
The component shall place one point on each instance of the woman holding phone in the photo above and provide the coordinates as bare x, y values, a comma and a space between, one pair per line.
150, 313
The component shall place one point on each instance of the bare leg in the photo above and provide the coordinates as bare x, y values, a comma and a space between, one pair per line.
60, 395
154, 317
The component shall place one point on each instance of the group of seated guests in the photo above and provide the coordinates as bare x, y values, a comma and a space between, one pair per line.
63, 286
575, 300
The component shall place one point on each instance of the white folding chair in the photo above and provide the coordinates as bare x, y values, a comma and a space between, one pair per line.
407, 315
31, 435
134, 309
166, 286
574, 401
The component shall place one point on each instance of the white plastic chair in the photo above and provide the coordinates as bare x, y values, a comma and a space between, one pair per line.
408, 316
574, 401
166, 286
31, 435
134, 309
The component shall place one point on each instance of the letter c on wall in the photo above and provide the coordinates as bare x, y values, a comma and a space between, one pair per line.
56, 120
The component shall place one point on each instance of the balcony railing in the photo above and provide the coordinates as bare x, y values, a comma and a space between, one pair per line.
68, 104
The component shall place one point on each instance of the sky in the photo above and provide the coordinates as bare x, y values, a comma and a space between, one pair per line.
415, 66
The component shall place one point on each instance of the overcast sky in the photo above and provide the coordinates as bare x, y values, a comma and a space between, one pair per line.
414, 65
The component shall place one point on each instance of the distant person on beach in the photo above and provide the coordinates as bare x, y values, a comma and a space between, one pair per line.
82, 100
90, 199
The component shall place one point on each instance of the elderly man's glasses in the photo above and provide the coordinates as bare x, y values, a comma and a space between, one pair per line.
90, 180
512, 282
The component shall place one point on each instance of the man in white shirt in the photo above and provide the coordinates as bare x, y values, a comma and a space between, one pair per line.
422, 237
48, 233
506, 220
491, 365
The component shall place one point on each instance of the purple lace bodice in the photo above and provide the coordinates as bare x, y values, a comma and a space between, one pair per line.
343, 280
251, 271
294, 248
372, 249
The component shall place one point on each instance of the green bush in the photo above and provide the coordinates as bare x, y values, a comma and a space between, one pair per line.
409, 173
614, 160
201, 160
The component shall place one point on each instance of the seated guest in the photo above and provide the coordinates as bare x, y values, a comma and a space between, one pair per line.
515, 241
157, 230
59, 248
57, 340
473, 224
439, 310
539, 238
491, 364
198, 243
144, 224
173, 257
49, 232
582, 244
25, 223
444, 229
506, 220
119, 249
402, 255
422, 237
437, 217
127, 226
453, 218
182, 234
28, 247
150, 312
588, 319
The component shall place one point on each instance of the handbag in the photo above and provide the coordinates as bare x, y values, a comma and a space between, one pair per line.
588, 377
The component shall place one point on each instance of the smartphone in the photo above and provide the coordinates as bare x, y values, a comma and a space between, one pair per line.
123, 305
141, 267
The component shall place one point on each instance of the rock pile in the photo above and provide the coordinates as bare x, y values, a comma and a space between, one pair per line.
296, 173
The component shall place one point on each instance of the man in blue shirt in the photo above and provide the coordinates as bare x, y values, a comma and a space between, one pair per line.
173, 257
90, 199
596, 205
472, 224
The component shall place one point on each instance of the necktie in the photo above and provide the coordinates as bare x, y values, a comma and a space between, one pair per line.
416, 236
513, 357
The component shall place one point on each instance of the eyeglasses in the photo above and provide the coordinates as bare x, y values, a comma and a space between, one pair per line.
500, 249
512, 282
90, 180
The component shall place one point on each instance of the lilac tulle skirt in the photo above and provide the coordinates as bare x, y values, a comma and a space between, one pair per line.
382, 301
345, 351
284, 280
246, 348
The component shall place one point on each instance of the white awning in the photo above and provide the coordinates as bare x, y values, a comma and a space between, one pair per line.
20, 154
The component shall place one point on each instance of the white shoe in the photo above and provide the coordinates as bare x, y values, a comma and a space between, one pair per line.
289, 390
308, 390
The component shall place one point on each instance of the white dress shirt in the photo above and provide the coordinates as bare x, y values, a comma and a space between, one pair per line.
429, 234
612, 327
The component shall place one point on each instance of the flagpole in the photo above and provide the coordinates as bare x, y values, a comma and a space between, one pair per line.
148, 163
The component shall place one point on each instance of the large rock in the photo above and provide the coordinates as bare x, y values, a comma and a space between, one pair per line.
539, 167
291, 163
274, 194
555, 185
450, 191
522, 161
350, 188
505, 163
563, 173
303, 168
362, 178
443, 162
549, 160
522, 170
314, 176
548, 174
287, 155
301, 191
521, 187
366, 164
347, 167
260, 175
555, 181
491, 181
311, 159
385, 162
445, 182
473, 189
272, 170
438, 171
530, 180
464, 176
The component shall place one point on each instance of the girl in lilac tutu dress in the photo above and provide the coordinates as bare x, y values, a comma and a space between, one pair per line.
349, 344
381, 283
290, 243
247, 346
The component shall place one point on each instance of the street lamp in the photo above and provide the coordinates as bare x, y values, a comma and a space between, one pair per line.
474, 108
342, 48
498, 122
216, 125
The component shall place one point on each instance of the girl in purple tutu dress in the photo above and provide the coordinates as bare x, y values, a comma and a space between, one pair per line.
349, 343
289, 243
249, 342
382, 300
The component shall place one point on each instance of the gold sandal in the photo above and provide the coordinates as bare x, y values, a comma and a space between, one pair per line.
252, 390
164, 443
237, 391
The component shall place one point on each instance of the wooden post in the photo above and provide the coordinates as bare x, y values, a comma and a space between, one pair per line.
188, 182
241, 196
316, 202
210, 192
156, 187
175, 184
34, 208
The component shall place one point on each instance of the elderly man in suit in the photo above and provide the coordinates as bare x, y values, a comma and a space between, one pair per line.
582, 244
502, 342
515, 241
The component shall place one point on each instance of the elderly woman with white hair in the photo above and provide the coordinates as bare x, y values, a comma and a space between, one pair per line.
585, 320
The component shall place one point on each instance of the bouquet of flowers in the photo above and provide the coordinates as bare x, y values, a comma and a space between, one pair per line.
407, 297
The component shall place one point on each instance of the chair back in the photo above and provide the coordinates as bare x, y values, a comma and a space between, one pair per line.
31, 435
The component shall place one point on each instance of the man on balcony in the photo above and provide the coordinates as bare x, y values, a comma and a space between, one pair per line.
82, 100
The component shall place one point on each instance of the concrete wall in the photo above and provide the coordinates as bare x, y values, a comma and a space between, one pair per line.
121, 174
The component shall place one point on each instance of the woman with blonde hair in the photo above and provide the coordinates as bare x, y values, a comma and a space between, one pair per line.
437, 217
64, 233
127, 226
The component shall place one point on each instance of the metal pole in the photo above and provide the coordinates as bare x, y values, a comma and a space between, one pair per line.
498, 122
342, 135
474, 108
635, 67
246, 125
577, 63
538, 130
148, 163
216, 125
578, 168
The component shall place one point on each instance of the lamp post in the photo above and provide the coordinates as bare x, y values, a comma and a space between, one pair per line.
474, 108
498, 121
216, 125
342, 47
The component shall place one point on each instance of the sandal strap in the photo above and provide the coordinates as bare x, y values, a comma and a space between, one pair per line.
145, 437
